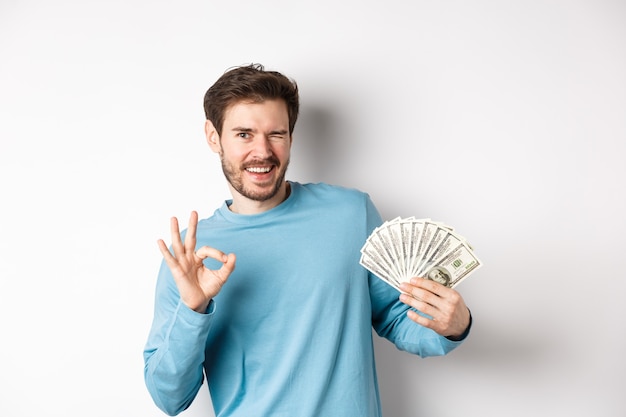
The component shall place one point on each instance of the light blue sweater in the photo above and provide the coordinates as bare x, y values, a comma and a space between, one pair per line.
290, 332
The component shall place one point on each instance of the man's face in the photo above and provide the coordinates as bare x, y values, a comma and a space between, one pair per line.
254, 148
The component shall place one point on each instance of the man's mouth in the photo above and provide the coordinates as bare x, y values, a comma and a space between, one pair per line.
259, 170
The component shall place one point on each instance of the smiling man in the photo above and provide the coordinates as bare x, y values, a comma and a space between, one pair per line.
254, 145
288, 331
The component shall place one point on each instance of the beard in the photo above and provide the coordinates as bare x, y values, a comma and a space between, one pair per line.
234, 175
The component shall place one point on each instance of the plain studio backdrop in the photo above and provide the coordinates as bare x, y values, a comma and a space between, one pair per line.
504, 119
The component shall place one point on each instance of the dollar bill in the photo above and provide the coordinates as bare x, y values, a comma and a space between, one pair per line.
454, 267
403, 248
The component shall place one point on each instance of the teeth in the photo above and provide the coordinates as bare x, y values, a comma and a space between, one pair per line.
258, 169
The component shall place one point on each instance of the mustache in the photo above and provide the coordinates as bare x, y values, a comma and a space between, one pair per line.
272, 160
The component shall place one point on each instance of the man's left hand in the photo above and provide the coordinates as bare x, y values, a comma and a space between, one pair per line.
448, 314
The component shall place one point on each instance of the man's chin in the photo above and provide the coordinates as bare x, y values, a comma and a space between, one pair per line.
258, 192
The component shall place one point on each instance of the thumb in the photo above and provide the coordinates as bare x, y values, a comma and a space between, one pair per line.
228, 261
229, 264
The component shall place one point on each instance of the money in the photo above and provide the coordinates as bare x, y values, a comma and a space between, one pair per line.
403, 248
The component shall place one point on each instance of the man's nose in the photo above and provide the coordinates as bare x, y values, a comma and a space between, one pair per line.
262, 148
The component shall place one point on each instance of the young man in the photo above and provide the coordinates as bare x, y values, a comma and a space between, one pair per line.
287, 332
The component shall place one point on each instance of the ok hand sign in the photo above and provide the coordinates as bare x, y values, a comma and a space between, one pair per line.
196, 283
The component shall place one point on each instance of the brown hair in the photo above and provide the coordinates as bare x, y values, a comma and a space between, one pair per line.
250, 83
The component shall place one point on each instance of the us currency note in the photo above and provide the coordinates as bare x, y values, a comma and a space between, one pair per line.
376, 250
454, 267
420, 234
378, 269
401, 249
391, 235
433, 235
450, 239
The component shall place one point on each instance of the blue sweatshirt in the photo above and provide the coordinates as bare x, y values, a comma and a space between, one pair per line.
290, 333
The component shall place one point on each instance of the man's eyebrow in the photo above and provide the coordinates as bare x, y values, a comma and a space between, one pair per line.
279, 132
242, 129
250, 130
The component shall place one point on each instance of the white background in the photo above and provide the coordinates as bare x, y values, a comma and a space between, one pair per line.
505, 119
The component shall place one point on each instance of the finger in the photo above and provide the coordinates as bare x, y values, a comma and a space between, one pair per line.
419, 305
170, 260
425, 283
228, 267
190, 237
177, 244
420, 294
437, 294
163, 248
228, 261
209, 252
429, 285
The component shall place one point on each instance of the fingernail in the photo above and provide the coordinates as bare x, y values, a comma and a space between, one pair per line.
415, 280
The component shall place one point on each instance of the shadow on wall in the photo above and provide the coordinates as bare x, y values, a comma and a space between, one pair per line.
406, 380
329, 147
318, 151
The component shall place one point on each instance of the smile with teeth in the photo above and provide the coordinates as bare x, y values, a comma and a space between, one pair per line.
259, 170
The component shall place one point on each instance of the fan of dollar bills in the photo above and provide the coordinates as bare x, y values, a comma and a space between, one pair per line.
403, 248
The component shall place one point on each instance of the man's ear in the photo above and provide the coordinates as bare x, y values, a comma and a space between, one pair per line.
212, 138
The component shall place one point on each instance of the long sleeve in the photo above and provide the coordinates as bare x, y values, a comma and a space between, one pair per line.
390, 321
175, 351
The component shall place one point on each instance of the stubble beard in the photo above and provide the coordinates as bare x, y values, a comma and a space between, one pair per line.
234, 176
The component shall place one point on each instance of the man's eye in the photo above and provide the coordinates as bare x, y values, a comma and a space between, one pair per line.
243, 135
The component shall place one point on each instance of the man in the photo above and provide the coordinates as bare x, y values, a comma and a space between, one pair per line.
440, 275
287, 332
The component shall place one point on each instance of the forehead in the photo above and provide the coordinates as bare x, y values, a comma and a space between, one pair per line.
259, 114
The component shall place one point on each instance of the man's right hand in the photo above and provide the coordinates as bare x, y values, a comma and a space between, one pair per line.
196, 283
